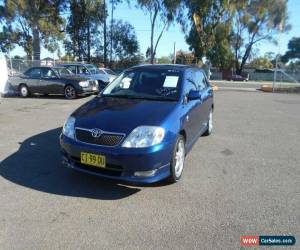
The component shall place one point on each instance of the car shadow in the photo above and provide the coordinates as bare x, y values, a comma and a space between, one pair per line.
37, 165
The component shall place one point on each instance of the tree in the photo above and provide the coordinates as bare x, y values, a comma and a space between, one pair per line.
185, 58
165, 60
219, 53
35, 23
293, 51
208, 29
125, 47
261, 63
8, 38
253, 22
83, 27
159, 10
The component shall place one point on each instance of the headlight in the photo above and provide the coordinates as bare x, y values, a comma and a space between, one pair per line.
69, 127
84, 84
144, 136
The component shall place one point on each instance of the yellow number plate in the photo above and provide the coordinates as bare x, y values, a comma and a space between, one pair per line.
92, 160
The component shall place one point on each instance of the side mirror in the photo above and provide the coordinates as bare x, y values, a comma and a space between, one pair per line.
194, 95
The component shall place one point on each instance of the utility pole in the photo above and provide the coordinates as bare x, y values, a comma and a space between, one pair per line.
10, 61
281, 25
111, 30
105, 35
174, 57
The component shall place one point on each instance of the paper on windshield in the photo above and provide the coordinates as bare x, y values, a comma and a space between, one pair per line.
171, 82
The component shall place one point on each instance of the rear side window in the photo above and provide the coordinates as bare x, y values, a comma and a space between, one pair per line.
83, 70
34, 72
48, 73
72, 68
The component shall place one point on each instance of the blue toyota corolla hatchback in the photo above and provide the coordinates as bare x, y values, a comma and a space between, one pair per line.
141, 127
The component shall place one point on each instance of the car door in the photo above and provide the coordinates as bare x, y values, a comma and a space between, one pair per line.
207, 97
33, 79
203, 110
191, 107
50, 82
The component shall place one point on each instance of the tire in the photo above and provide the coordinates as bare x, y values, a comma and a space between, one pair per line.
209, 129
70, 92
177, 163
24, 91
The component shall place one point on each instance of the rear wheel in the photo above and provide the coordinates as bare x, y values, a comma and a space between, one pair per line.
70, 92
23, 90
209, 124
177, 163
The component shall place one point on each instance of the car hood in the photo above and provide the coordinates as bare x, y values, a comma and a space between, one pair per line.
100, 77
75, 77
122, 115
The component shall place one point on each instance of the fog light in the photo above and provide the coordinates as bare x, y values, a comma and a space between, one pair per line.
145, 173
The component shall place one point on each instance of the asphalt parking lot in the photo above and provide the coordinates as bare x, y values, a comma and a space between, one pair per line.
242, 180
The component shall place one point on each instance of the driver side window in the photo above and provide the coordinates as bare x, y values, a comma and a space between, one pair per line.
190, 82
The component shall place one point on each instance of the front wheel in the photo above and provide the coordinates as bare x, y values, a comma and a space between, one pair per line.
177, 163
23, 90
70, 92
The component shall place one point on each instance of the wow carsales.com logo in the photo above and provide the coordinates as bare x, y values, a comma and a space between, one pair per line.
249, 241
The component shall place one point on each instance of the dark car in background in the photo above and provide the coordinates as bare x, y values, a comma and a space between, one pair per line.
88, 70
237, 78
53, 80
140, 128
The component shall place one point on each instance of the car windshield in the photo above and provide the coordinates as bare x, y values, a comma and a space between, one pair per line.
109, 71
146, 84
62, 71
93, 69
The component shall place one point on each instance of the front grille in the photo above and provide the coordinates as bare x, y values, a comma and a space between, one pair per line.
106, 139
93, 84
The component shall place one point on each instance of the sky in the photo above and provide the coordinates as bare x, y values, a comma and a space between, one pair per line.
141, 23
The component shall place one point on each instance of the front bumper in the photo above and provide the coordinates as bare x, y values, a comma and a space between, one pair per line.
121, 163
88, 90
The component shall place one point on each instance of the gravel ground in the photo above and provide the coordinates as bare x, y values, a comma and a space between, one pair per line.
242, 180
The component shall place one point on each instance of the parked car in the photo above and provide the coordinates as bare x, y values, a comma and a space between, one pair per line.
108, 72
53, 80
89, 70
140, 128
237, 78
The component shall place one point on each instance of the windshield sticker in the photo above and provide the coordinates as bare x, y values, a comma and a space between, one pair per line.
171, 82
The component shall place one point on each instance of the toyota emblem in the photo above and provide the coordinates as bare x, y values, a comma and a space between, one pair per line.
96, 133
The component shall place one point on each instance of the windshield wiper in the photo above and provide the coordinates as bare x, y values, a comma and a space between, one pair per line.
157, 98
119, 96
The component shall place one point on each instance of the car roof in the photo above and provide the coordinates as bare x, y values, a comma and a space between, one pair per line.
179, 67
75, 63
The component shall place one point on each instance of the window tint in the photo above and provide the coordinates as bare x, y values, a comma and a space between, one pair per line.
72, 68
35, 72
200, 80
83, 70
48, 73
190, 82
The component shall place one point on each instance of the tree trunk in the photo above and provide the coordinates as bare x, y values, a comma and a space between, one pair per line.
88, 41
104, 31
244, 60
36, 44
152, 43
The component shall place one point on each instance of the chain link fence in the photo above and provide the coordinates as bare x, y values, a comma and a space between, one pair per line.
18, 66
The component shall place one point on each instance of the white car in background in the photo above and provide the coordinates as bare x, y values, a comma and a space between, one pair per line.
109, 73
